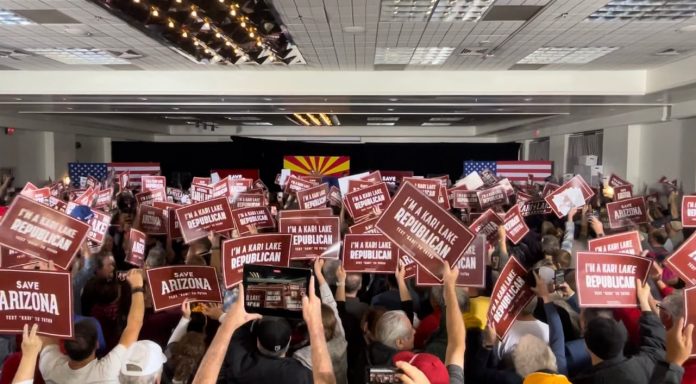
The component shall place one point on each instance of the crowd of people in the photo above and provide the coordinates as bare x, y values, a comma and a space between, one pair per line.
359, 327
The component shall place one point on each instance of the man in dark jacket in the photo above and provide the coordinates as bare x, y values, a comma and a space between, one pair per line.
605, 340
261, 359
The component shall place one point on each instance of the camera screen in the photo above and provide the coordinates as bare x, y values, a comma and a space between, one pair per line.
382, 375
275, 290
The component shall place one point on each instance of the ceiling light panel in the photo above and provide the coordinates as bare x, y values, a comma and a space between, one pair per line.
80, 56
393, 55
439, 10
431, 56
382, 118
429, 124
11, 18
383, 124
645, 10
566, 55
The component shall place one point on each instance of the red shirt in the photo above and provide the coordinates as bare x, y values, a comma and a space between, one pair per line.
426, 328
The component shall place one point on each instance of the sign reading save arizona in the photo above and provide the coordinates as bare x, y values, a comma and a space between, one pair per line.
170, 286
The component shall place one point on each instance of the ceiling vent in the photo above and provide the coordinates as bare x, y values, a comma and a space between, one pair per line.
668, 52
474, 52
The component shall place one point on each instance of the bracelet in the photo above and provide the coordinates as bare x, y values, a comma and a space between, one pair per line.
138, 289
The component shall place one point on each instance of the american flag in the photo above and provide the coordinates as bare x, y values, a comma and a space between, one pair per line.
516, 171
77, 170
136, 170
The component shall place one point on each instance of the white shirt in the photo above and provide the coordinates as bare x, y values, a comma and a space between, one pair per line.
55, 370
520, 328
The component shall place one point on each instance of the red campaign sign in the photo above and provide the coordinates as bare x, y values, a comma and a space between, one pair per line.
247, 200
627, 243
371, 253
690, 314
615, 181
507, 186
549, 188
200, 193
9, 258
515, 227
98, 226
492, 196
151, 220
462, 199
170, 286
237, 173
175, 193
573, 193
57, 204
364, 227
294, 213
204, 181
358, 184
623, 192
534, 207
410, 266
28, 190
683, 261
42, 232
510, 295
197, 220
136, 248
260, 184
267, 249
36, 297
335, 197
472, 267
314, 179
173, 227
150, 183
432, 188
489, 178
315, 197
294, 184
313, 237
258, 217
374, 177
392, 178
627, 212
123, 179
609, 279
363, 202
149, 197
86, 197
487, 225
104, 198
688, 211
424, 230
42, 195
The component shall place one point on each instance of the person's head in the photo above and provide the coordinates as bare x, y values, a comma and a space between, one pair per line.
437, 297
195, 260
142, 364
273, 336
528, 310
155, 258
186, 354
106, 265
108, 244
531, 354
353, 283
589, 314
671, 308
328, 320
657, 237
198, 247
550, 244
84, 344
605, 339
368, 323
432, 367
394, 330
562, 259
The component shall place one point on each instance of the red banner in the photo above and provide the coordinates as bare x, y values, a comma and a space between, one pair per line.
315, 197
515, 227
151, 220
683, 261
627, 212
258, 217
98, 226
627, 243
688, 211
364, 227
487, 226
534, 207
573, 193
36, 297
492, 196
267, 249
609, 279
363, 202
136, 248
196, 220
104, 198
149, 197
41, 232
170, 286
373, 253
424, 230
152, 183
313, 236
510, 295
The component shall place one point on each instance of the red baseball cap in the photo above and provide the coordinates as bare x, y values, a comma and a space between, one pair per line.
3, 210
431, 366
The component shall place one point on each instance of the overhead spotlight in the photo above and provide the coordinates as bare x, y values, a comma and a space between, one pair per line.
194, 13
243, 24
170, 24
184, 34
233, 13
155, 12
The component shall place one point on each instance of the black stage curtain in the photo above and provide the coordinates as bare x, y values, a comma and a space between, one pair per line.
183, 160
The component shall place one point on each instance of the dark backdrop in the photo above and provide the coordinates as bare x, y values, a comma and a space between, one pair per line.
267, 155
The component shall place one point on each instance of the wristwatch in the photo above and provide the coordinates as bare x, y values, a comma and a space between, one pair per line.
138, 289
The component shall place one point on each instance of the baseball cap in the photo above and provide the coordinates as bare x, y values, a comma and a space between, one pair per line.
431, 366
143, 358
273, 334
82, 213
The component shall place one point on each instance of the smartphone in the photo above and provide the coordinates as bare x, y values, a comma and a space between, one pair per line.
275, 291
559, 278
374, 375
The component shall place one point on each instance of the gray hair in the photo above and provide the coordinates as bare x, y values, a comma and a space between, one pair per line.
462, 297
532, 354
674, 304
149, 379
353, 282
155, 258
391, 326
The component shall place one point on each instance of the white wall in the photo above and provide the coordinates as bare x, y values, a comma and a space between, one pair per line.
93, 149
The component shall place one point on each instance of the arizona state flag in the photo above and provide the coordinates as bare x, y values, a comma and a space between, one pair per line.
318, 165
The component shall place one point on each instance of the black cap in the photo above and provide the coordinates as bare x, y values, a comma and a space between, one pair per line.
273, 334
605, 337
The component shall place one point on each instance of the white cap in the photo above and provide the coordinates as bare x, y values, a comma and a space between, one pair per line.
143, 358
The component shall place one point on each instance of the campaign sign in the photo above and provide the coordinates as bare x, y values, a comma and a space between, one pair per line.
463, 199
549, 188
371, 253
515, 227
683, 261
364, 227
615, 181
205, 181
363, 202
104, 198
572, 194
424, 230
335, 199
9, 258
690, 313
627, 212
247, 200
356, 185
315, 197
627, 243
239, 185
533, 207
175, 193
312, 236
170, 286
487, 225
294, 184
42, 195
98, 226
136, 248
86, 197
471, 182
609, 279
196, 220
410, 266
36, 297
392, 178
432, 188
688, 211
41, 232
123, 179
472, 267
266, 249
510, 295
623, 192
173, 228
294, 213
152, 220
374, 177
200, 193
492, 196
149, 197
258, 217
150, 183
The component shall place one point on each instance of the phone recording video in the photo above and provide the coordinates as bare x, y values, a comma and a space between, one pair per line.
382, 375
275, 291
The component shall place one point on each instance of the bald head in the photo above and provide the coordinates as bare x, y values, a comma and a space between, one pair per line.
353, 283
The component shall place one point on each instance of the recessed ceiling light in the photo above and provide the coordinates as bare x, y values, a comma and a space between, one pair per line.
429, 124
390, 109
500, 109
267, 99
387, 123
688, 28
382, 118
393, 99
18, 99
80, 56
451, 119
256, 123
354, 29
424, 10
642, 10
175, 108
281, 109
11, 18
142, 98
528, 99
566, 55
400, 55
69, 108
